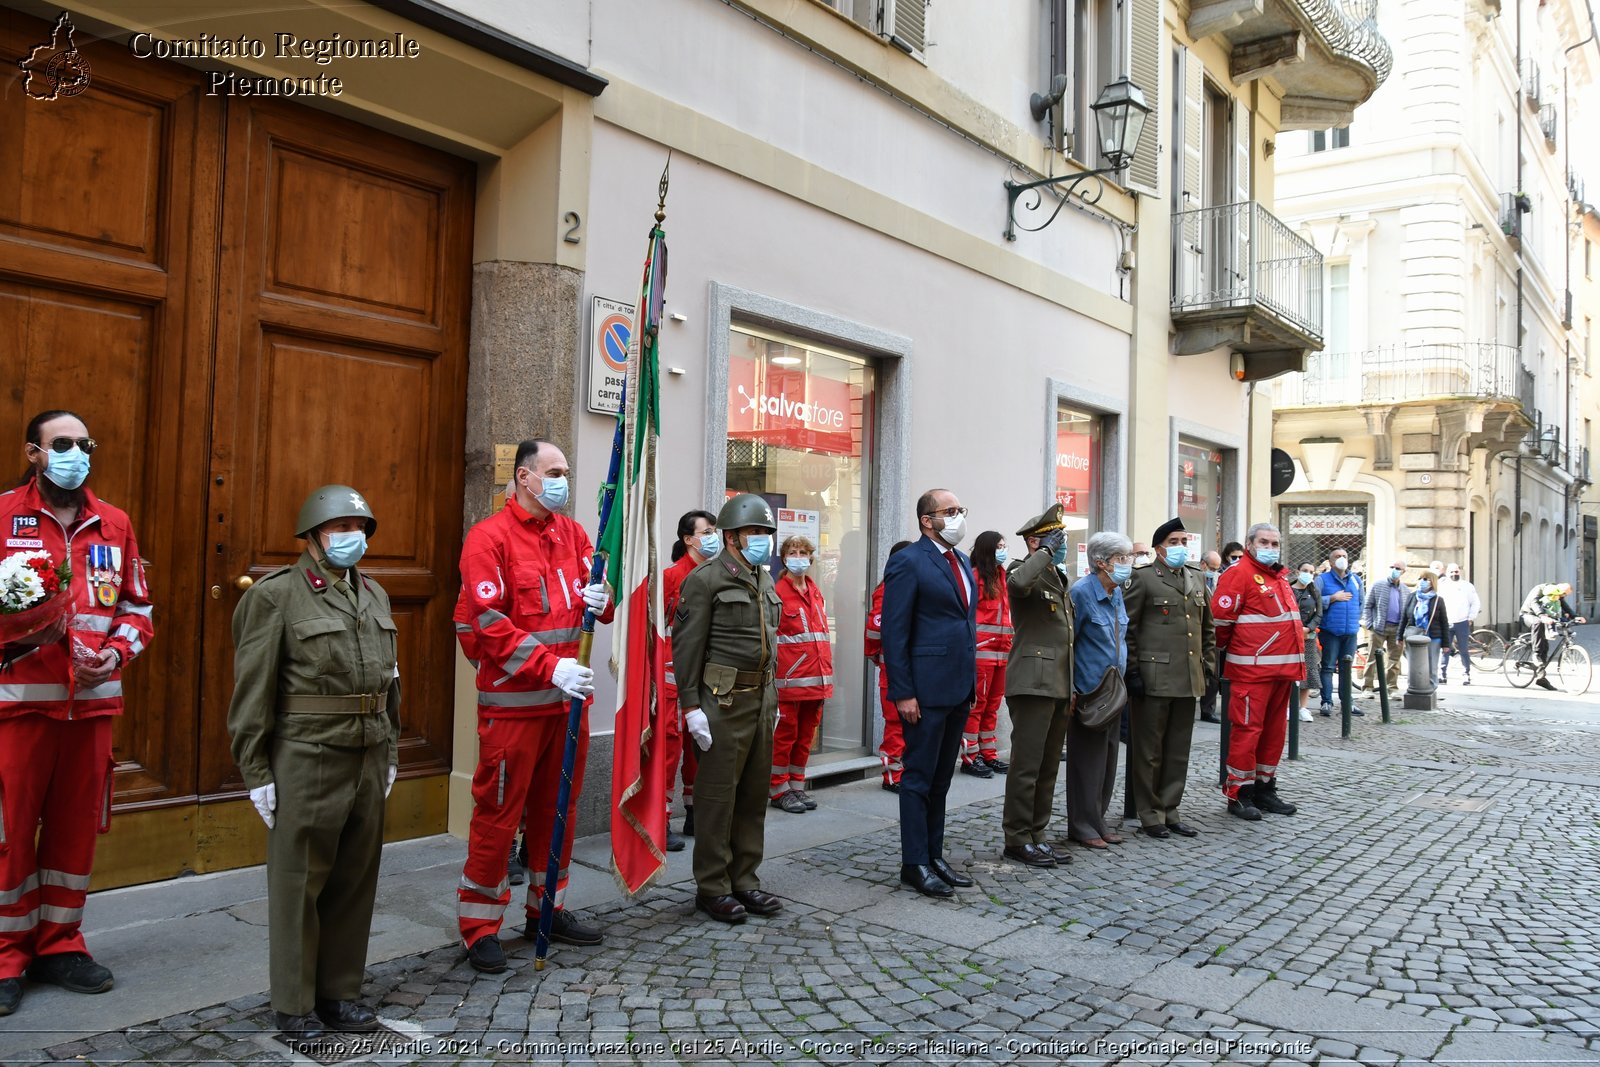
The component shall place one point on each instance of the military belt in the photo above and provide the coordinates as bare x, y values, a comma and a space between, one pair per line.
745, 681
353, 704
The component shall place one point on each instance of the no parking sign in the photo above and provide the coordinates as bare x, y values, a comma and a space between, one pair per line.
610, 329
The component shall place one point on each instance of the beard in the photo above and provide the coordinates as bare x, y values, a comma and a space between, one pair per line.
58, 497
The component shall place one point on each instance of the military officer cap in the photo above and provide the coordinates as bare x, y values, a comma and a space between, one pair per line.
1166, 530
1040, 525
746, 509
333, 502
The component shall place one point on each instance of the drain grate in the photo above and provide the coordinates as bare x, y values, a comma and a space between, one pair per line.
1435, 802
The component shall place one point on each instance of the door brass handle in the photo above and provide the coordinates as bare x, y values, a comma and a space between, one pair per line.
244, 581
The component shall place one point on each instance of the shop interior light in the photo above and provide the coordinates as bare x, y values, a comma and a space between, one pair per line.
785, 361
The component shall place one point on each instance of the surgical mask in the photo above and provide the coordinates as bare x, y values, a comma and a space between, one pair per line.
345, 549
1211, 579
1000, 556
953, 529
1455, 577
1142, 560
1059, 556
1394, 574
1341, 564
710, 544
554, 494
67, 469
758, 549
1424, 585
1177, 555
1305, 577
1121, 572
797, 564
1267, 557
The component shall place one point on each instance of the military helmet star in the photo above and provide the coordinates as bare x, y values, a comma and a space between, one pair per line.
357, 503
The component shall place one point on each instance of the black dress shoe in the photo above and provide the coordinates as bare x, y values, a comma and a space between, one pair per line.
724, 909
347, 1016
296, 1028
977, 770
10, 995
757, 902
949, 874
675, 842
487, 956
1544, 683
1209, 718
1183, 829
924, 880
1031, 855
891, 787
1061, 858
1158, 832
997, 765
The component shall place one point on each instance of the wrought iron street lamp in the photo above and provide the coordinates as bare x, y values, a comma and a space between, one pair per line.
1119, 118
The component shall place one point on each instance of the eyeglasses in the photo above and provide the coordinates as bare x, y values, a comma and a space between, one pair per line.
947, 513
65, 444
1121, 557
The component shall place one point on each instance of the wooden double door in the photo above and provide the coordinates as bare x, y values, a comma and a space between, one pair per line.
244, 300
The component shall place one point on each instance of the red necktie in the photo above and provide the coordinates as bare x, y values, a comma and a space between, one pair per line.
955, 568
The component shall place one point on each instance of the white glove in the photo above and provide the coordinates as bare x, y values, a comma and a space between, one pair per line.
699, 728
389, 782
265, 798
597, 596
572, 678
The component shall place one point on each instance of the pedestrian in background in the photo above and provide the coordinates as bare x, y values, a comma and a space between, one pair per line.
980, 755
893, 749
1342, 601
1208, 699
1038, 687
1100, 644
1383, 616
697, 542
1426, 614
805, 675
1232, 553
1462, 605
1309, 601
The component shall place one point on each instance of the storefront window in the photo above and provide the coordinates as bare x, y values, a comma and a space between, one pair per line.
1200, 503
1078, 480
1311, 531
800, 434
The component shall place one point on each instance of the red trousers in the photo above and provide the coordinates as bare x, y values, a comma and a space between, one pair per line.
791, 743
894, 741
1257, 724
984, 719
519, 771
55, 780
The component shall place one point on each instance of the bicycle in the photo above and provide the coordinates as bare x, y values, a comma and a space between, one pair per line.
1488, 649
1568, 666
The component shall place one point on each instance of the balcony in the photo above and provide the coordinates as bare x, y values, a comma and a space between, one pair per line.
1405, 373
1328, 55
1245, 281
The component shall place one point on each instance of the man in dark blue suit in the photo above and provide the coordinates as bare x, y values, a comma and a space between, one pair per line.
930, 645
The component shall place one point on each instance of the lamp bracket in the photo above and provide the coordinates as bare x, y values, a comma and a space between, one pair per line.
1071, 185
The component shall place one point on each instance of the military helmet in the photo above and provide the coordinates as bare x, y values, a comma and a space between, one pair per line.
333, 502
746, 509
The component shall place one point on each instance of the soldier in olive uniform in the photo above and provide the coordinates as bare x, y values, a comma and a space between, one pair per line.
1172, 656
1038, 687
723, 650
315, 721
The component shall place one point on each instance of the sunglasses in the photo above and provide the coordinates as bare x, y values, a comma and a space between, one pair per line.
66, 444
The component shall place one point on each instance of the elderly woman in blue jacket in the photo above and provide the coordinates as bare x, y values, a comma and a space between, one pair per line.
1425, 614
1099, 644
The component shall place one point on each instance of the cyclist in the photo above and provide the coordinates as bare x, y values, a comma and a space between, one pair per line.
1545, 607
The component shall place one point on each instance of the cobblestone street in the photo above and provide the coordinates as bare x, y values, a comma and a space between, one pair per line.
1434, 901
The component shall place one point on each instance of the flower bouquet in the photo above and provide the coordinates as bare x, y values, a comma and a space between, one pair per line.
35, 591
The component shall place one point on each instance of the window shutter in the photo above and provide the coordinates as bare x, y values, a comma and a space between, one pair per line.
907, 24
1144, 68
1241, 152
1190, 265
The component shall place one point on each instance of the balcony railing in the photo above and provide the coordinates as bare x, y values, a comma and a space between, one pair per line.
1480, 370
1238, 255
1351, 29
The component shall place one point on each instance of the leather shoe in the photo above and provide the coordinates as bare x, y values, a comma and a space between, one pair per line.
675, 841
1183, 829
1032, 855
977, 770
1062, 859
758, 903
1209, 718
922, 878
996, 764
1092, 842
1544, 683
486, 955
296, 1028
10, 995
891, 787
723, 909
949, 874
347, 1016
1155, 831
1113, 839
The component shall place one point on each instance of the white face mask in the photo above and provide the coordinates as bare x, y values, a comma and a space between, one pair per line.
1341, 564
953, 530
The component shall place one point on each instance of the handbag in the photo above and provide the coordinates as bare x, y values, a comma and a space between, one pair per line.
1101, 707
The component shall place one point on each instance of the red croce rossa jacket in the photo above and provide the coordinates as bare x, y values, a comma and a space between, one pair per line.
1258, 623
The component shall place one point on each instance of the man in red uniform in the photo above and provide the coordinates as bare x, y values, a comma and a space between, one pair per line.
698, 541
894, 742
804, 677
1262, 645
55, 713
524, 586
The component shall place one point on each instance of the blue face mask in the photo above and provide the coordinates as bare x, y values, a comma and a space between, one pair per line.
345, 549
1305, 577
797, 564
1059, 556
1177, 555
1000, 556
554, 494
68, 469
758, 549
1267, 557
1121, 572
1394, 574
710, 544
1424, 586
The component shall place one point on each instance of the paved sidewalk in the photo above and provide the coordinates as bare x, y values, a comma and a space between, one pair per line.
1434, 901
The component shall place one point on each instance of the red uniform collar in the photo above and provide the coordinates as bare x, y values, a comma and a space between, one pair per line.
527, 518
33, 500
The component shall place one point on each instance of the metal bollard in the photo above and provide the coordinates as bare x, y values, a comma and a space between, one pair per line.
1294, 721
1346, 697
1383, 680
1224, 701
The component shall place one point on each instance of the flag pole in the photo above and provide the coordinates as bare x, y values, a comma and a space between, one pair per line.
608, 497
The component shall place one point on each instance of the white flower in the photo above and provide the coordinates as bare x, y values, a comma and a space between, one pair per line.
20, 585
